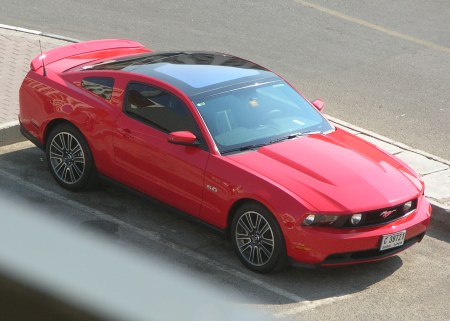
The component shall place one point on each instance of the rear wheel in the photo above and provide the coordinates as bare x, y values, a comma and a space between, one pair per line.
257, 238
69, 158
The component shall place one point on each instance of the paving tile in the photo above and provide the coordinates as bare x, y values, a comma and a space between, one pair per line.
17, 49
437, 185
420, 163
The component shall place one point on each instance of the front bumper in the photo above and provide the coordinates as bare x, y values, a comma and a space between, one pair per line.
323, 246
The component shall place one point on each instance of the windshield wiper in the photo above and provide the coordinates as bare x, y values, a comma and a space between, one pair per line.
244, 148
256, 146
291, 136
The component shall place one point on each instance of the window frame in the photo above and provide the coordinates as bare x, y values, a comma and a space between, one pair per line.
197, 131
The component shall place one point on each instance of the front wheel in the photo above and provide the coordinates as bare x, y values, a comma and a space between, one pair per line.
69, 158
257, 239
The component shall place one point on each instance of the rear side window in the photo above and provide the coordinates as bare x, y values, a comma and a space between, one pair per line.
100, 86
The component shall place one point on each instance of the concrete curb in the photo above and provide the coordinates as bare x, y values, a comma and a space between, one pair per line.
38, 33
10, 132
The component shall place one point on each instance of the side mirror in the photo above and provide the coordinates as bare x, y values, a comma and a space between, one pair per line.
319, 104
182, 138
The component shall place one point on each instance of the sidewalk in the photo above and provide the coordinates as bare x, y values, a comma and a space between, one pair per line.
18, 47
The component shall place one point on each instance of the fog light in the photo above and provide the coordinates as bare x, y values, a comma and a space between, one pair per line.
309, 220
407, 207
356, 219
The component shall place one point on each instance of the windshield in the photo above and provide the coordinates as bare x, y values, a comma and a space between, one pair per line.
258, 115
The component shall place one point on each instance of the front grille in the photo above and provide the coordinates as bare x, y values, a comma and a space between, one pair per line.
377, 217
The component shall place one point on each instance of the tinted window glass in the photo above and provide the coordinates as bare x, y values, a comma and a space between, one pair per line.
158, 108
100, 86
192, 72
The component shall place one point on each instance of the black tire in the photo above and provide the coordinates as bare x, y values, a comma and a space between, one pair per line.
257, 239
69, 158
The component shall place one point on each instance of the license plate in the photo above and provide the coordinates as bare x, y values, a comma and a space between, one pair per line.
392, 240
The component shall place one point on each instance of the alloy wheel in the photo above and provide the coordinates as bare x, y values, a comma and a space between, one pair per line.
254, 238
67, 158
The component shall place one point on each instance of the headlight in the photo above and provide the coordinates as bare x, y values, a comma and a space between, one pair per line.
309, 220
319, 219
407, 207
356, 219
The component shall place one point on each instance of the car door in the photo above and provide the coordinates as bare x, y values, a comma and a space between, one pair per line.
146, 160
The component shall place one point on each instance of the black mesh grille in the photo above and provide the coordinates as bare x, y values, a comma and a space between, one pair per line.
377, 217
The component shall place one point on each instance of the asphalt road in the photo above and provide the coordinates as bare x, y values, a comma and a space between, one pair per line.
412, 286
381, 65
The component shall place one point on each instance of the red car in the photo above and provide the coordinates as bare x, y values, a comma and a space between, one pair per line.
226, 141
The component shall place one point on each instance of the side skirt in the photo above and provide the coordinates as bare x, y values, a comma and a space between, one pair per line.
31, 138
169, 208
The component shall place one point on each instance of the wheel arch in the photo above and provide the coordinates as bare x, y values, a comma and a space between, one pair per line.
57, 121
51, 125
88, 176
281, 259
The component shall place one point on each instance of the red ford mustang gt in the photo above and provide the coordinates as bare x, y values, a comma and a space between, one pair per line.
226, 141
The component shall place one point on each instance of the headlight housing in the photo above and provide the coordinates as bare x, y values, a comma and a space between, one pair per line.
316, 219
319, 219
407, 207
355, 219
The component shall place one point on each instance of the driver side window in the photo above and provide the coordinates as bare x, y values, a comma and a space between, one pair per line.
158, 108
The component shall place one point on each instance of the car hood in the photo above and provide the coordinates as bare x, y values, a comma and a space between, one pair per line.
336, 172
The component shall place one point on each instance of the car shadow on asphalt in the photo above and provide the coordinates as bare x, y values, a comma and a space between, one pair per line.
439, 231
317, 284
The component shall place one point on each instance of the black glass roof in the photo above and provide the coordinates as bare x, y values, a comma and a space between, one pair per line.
194, 73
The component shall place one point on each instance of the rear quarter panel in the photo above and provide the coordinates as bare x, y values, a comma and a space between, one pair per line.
44, 100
